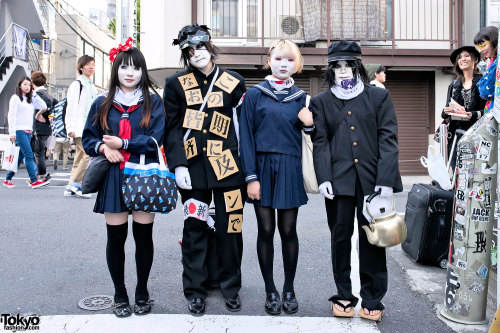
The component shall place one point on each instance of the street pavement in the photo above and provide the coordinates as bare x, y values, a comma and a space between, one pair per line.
53, 251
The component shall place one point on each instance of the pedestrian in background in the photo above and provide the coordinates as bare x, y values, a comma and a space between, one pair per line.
273, 169
486, 41
22, 107
355, 154
61, 147
464, 91
133, 117
81, 93
41, 128
378, 78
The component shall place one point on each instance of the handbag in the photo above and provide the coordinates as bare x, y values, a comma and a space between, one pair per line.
95, 174
10, 158
308, 173
149, 187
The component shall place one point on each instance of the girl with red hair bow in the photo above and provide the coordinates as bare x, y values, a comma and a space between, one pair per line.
133, 118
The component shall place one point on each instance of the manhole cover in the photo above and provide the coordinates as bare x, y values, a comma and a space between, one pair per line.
96, 303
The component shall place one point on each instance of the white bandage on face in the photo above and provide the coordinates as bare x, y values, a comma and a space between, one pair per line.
197, 209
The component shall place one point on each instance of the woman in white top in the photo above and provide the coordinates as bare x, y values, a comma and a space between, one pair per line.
22, 107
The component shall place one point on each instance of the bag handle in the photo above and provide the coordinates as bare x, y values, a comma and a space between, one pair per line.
142, 158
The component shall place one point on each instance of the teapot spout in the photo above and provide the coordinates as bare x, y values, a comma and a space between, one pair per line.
372, 237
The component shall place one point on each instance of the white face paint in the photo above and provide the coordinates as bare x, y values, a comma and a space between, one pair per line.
200, 58
342, 72
129, 77
282, 67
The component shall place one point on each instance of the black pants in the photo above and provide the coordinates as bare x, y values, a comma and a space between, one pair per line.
39, 144
195, 237
372, 262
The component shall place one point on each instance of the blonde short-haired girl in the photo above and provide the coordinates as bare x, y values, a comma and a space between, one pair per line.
272, 117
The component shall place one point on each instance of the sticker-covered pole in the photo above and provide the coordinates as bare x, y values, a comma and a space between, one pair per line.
473, 220
496, 112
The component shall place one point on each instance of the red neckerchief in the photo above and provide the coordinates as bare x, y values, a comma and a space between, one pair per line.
125, 131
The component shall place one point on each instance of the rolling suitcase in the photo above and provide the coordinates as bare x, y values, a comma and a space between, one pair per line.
428, 217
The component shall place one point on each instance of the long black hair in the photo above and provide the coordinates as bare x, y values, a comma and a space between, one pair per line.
19, 91
357, 69
132, 56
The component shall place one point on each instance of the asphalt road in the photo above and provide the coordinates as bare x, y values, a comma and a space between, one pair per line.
53, 255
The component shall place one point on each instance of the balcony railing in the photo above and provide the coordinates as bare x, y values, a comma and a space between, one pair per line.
390, 23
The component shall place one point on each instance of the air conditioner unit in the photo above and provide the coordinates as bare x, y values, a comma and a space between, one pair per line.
290, 27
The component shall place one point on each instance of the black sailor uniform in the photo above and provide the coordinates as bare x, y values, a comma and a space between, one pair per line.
110, 198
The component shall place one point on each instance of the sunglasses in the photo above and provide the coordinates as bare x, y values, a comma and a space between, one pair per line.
481, 47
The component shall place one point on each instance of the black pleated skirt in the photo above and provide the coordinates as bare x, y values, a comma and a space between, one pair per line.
281, 182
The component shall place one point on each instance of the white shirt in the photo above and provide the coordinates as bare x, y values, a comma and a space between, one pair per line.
377, 84
78, 106
21, 113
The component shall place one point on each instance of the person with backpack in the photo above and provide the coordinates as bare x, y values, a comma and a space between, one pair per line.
41, 128
81, 94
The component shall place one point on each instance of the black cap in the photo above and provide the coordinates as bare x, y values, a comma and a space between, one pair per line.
191, 35
344, 50
470, 49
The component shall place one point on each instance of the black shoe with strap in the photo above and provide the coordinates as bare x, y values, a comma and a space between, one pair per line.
122, 309
143, 307
273, 303
233, 304
196, 306
290, 304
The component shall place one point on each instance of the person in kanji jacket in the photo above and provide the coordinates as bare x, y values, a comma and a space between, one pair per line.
355, 154
201, 145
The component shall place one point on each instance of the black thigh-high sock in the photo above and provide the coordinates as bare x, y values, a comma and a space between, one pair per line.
115, 256
265, 247
144, 250
287, 226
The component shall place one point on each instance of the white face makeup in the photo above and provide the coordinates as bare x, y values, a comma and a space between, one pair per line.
200, 58
342, 72
282, 67
129, 77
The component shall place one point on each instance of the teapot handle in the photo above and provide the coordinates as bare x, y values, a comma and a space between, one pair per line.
370, 198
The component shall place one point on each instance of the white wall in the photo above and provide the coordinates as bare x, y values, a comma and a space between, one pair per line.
472, 15
442, 81
160, 23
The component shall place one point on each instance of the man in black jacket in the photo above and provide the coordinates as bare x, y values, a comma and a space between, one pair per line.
201, 145
355, 154
41, 124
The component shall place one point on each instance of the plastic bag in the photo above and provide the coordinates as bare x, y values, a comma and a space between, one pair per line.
10, 159
434, 163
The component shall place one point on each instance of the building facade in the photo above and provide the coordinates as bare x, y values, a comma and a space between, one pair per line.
412, 38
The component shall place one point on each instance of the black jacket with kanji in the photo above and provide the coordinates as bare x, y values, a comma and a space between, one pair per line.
365, 143
200, 168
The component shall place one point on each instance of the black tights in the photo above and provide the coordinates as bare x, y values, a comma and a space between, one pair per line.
115, 256
287, 226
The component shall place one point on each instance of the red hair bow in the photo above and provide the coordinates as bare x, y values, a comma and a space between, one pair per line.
115, 50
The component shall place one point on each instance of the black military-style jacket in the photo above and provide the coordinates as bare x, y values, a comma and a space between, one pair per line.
200, 169
365, 142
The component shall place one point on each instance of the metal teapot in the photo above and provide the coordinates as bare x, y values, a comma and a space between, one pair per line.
386, 230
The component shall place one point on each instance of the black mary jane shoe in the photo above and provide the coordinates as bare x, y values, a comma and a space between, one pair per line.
290, 304
233, 304
273, 304
143, 307
122, 309
196, 306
